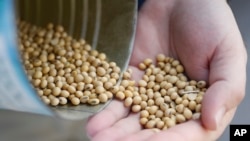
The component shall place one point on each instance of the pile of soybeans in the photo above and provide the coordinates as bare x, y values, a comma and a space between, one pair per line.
64, 70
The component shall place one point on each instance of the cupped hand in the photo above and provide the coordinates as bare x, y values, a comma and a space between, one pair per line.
204, 37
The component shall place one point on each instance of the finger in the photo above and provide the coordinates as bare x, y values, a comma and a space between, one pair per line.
192, 131
151, 33
227, 83
119, 130
113, 112
106, 118
218, 99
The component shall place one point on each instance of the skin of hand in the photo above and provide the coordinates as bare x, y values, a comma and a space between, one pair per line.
204, 36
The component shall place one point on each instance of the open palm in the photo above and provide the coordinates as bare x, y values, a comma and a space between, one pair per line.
204, 36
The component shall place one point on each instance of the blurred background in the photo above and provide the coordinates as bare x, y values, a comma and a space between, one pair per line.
241, 10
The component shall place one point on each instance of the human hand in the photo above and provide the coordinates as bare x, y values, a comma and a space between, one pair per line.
204, 36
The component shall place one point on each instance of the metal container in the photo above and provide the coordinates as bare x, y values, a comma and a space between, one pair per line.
107, 25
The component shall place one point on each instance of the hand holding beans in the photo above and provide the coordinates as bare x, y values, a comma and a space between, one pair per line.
164, 96
194, 33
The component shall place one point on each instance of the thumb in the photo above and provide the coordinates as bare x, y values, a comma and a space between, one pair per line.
227, 79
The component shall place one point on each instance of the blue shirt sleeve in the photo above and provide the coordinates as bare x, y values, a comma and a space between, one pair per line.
140, 2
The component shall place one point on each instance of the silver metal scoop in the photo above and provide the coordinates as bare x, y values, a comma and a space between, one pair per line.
108, 25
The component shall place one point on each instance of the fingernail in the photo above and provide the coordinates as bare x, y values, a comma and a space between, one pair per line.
88, 136
219, 116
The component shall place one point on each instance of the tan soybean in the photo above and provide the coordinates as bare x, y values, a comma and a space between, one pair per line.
59, 65
65, 70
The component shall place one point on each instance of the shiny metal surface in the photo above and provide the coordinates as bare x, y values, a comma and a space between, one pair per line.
108, 25
20, 126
